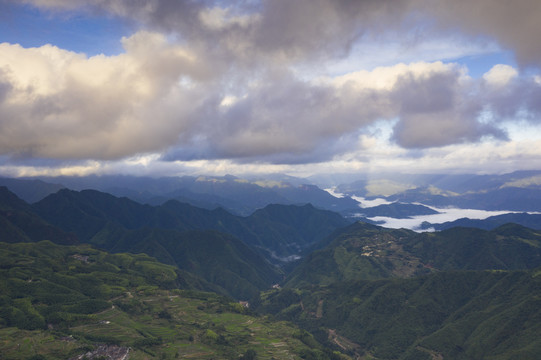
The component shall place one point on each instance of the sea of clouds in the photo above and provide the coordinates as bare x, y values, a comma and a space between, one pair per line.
415, 222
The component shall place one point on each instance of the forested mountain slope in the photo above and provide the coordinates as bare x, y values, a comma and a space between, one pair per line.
222, 248
365, 251
18, 222
444, 315
118, 225
276, 236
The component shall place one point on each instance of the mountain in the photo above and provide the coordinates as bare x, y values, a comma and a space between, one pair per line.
394, 183
276, 236
122, 225
18, 222
507, 198
518, 191
30, 190
221, 259
532, 221
288, 230
237, 195
462, 293
74, 302
372, 292
444, 315
365, 251
213, 244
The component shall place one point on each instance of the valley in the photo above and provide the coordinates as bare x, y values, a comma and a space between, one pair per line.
88, 273
270, 180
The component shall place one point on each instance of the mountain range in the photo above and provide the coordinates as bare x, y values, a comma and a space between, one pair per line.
518, 191
369, 252
405, 195
379, 293
348, 289
232, 252
532, 221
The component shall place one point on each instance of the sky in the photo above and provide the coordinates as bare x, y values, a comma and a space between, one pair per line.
303, 87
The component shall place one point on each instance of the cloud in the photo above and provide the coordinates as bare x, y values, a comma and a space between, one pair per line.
254, 32
437, 109
509, 96
282, 119
5, 87
514, 24
62, 104
215, 81
163, 97
435, 104
500, 75
304, 29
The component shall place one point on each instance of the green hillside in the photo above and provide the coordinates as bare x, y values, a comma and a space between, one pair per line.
445, 315
121, 225
395, 294
18, 222
193, 239
58, 302
364, 251
219, 258
268, 231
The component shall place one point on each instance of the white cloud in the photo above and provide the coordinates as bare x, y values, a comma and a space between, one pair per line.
223, 85
500, 75
63, 104
445, 215
386, 77
66, 105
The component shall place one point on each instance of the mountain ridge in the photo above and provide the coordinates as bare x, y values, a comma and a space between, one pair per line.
366, 251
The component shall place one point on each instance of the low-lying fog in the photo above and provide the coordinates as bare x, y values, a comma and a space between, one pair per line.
414, 222
445, 214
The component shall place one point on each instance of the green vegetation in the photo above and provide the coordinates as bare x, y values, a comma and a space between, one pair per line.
457, 315
59, 301
19, 223
46, 284
369, 292
397, 294
276, 229
364, 251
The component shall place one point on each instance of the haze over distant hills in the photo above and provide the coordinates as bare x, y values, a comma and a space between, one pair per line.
399, 196
517, 191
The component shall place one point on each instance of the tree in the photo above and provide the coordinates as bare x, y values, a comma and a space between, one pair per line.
250, 354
